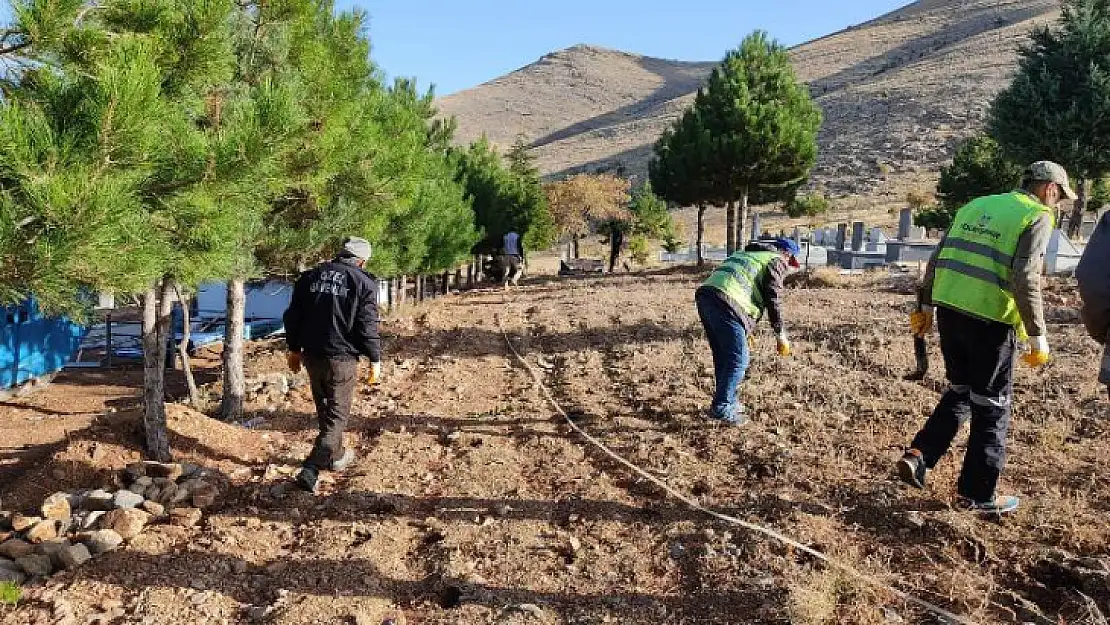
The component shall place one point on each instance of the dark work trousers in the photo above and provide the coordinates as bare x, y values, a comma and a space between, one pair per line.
1095, 314
333, 388
979, 356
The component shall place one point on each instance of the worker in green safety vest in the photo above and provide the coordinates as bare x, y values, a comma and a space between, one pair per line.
985, 282
730, 302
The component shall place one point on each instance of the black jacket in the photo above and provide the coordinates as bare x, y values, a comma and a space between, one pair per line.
334, 313
1093, 272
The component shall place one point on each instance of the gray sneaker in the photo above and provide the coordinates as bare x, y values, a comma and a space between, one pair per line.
1001, 504
342, 463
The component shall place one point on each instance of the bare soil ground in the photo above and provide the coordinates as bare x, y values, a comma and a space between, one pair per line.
471, 502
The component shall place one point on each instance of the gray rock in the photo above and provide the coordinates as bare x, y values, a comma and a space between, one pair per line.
101, 541
90, 521
170, 471
15, 548
128, 522
99, 500
74, 556
36, 565
126, 499
53, 549
11, 572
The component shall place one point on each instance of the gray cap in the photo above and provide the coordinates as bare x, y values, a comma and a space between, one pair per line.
356, 247
1047, 171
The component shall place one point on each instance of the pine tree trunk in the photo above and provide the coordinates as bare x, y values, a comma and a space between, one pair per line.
458, 279
155, 322
446, 283
470, 275
730, 228
402, 291
576, 247
419, 289
701, 235
235, 384
1075, 223
183, 349
741, 219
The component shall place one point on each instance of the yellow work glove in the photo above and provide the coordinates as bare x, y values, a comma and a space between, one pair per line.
375, 377
293, 360
921, 321
1038, 354
784, 345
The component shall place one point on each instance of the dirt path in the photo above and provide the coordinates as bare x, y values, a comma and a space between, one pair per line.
472, 503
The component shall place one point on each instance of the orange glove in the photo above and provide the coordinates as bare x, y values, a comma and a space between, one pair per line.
1039, 353
784, 348
375, 377
293, 359
921, 321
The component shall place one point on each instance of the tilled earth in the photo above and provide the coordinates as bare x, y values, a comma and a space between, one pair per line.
472, 501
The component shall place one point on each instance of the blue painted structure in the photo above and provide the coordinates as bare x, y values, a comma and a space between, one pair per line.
33, 345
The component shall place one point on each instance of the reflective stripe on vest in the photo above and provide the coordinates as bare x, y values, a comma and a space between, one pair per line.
974, 269
739, 278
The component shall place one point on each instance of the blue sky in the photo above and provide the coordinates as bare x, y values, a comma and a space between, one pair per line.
457, 44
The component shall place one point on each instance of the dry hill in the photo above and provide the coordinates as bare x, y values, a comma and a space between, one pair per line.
897, 93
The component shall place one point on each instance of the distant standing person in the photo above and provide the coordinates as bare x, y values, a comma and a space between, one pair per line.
985, 280
730, 302
1093, 275
513, 258
331, 321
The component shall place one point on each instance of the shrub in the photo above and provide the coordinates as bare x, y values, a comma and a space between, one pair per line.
808, 205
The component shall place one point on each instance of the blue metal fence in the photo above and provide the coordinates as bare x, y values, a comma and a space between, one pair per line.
33, 345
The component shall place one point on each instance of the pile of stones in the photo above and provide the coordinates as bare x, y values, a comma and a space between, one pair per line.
72, 528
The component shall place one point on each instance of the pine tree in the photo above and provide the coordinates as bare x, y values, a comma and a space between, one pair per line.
1058, 105
761, 123
978, 168
140, 106
679, 170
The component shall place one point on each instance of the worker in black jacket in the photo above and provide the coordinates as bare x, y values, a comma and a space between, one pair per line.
1093, 275
331, 321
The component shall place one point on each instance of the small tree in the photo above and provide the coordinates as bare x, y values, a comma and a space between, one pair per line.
808, 205
1100, 195
979, 168
762, 125
589, 202
1058, 105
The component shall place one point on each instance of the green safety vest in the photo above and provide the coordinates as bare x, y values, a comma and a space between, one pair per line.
739, 278
975, 266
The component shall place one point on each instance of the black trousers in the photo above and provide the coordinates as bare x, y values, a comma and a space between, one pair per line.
979, 357
333, 388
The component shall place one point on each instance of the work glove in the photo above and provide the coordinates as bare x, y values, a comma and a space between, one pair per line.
1038, 355
784, 345
921, 321
375, 377
293, 359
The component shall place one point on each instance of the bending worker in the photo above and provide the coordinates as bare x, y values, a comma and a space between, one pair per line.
1093, 275
730, 303
985, 280
331, 321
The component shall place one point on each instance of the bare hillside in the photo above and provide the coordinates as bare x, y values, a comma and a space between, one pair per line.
897, 93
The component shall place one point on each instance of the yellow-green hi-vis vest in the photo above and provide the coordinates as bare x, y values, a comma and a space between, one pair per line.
975, 267
739, 278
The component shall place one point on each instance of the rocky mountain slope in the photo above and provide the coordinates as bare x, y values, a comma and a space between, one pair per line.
898, 92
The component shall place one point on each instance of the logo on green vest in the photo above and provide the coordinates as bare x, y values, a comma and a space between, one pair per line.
982, 228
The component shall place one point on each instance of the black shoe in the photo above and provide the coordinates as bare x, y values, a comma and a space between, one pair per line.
308, 478
912, 469
342, 463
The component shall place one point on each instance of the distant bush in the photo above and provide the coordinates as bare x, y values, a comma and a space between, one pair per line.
808, 205
639, 250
